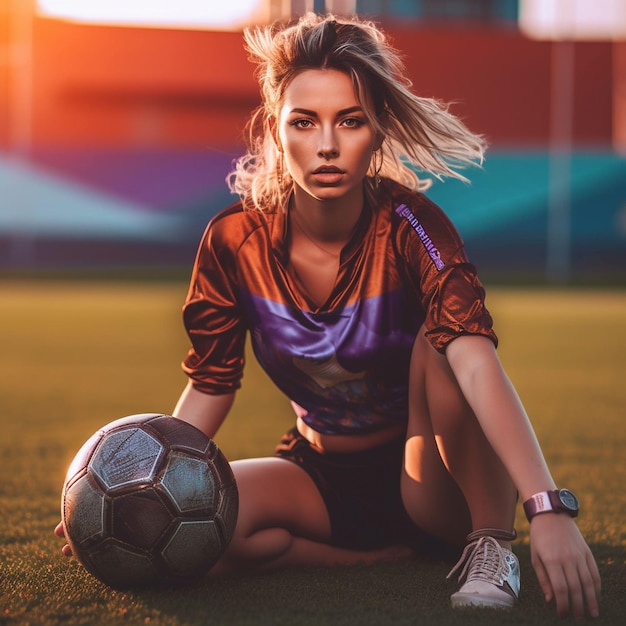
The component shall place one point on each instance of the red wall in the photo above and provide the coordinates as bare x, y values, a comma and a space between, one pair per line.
124, 87
502, 82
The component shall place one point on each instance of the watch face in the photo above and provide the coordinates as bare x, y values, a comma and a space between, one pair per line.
568, 499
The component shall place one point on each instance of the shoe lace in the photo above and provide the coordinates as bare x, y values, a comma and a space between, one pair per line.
483, 559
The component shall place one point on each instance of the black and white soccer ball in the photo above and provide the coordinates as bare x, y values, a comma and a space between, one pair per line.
149, 499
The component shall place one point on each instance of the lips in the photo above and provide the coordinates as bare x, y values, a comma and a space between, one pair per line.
328, 175
328, 169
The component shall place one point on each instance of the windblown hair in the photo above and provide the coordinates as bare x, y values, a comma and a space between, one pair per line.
419, 133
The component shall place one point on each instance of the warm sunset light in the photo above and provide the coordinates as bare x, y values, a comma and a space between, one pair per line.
228, 14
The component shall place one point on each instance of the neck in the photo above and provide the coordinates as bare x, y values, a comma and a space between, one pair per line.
330, 221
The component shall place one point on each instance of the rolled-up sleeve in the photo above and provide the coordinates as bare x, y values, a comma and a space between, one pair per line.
455, 306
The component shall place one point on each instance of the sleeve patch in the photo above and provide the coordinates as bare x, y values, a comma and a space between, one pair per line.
404, 211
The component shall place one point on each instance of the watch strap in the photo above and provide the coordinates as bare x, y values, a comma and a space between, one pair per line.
547, 501
539, 503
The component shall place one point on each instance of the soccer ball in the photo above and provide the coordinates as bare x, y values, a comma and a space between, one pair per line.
149, 499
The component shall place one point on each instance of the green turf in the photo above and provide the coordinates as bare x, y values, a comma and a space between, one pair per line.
74, 356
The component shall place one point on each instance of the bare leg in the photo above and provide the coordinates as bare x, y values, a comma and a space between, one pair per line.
283, 521
453, 480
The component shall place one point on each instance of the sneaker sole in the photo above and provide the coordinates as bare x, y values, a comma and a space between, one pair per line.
460, 600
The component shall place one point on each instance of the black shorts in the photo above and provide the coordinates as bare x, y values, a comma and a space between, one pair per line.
361, 491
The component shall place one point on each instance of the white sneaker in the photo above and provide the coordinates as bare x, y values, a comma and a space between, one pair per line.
490, 574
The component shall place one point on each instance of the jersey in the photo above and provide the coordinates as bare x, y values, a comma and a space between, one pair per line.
345, 364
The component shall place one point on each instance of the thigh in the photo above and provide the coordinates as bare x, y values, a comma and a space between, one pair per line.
431, 496
276, 493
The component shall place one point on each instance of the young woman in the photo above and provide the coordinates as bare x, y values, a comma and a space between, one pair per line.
363, 308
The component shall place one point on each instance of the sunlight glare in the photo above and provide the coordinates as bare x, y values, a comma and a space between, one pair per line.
573, 19
158, 13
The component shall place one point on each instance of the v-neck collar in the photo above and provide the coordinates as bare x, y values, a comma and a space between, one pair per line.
279, 234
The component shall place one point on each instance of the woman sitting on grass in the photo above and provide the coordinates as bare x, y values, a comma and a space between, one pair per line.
364, 310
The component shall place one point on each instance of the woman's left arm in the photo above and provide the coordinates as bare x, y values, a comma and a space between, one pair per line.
562, 560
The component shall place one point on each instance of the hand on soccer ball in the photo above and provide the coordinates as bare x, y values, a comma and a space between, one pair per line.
58, 531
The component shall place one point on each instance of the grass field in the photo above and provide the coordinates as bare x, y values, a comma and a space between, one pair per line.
76, 355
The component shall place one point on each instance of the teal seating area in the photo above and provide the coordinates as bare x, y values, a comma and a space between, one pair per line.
67, 206
503, 214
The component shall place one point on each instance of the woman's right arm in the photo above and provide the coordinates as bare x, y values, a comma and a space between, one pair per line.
204, 411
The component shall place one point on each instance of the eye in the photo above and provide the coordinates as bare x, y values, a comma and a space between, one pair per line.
353, 122
301, 123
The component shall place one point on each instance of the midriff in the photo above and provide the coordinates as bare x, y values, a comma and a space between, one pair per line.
349, 443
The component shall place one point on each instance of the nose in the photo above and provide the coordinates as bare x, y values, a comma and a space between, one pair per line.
328, 146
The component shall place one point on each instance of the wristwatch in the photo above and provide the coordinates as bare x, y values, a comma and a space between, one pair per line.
556, 501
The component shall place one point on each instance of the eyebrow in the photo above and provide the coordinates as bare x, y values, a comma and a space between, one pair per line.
310, 113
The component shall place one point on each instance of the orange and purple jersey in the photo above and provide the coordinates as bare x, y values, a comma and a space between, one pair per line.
344, 364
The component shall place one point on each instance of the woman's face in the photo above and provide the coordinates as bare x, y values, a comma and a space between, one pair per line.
326, 139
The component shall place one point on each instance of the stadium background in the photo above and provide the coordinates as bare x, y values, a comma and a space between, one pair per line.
115, 141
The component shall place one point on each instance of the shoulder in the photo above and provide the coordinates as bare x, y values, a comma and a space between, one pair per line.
425, 241
414, 211
233, 226
235, 219
421, 228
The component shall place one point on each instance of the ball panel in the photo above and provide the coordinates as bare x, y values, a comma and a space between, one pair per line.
119, 565
83, 511
81, 460
193, 547
126, 457
221, 466
181, 435
139, 518
131, 420
190, 484
227, 511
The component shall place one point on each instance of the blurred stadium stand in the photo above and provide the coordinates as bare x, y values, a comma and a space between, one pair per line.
115, 141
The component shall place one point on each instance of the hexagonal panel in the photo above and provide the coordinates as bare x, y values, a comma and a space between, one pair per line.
119, 566
181, 435
228, 510
83, 511
190, 484
139, 518
126, 457
222, 467
193, 548
81, 459
130, 420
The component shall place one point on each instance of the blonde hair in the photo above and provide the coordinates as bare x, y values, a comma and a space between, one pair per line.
419, 133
